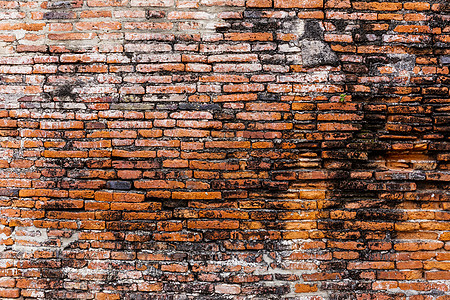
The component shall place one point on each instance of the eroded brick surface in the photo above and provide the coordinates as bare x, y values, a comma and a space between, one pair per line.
224, 149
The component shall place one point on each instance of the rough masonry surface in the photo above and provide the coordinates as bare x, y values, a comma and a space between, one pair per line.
225, 149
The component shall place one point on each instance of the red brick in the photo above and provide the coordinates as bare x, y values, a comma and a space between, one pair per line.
196, 195
298, 4
259, 3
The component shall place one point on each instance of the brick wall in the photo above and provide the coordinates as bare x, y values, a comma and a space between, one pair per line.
224, 149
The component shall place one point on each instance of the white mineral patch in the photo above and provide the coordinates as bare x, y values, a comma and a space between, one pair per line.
36, 236
315, 53
300, 27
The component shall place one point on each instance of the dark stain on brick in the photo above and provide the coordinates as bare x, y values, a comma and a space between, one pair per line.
65, 91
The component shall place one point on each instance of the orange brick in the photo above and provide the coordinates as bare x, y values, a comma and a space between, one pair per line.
196, 195
305, 288
259, 3
298, 4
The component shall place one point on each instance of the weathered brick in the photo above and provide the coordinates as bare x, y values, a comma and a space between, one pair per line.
224, 148
298, 4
